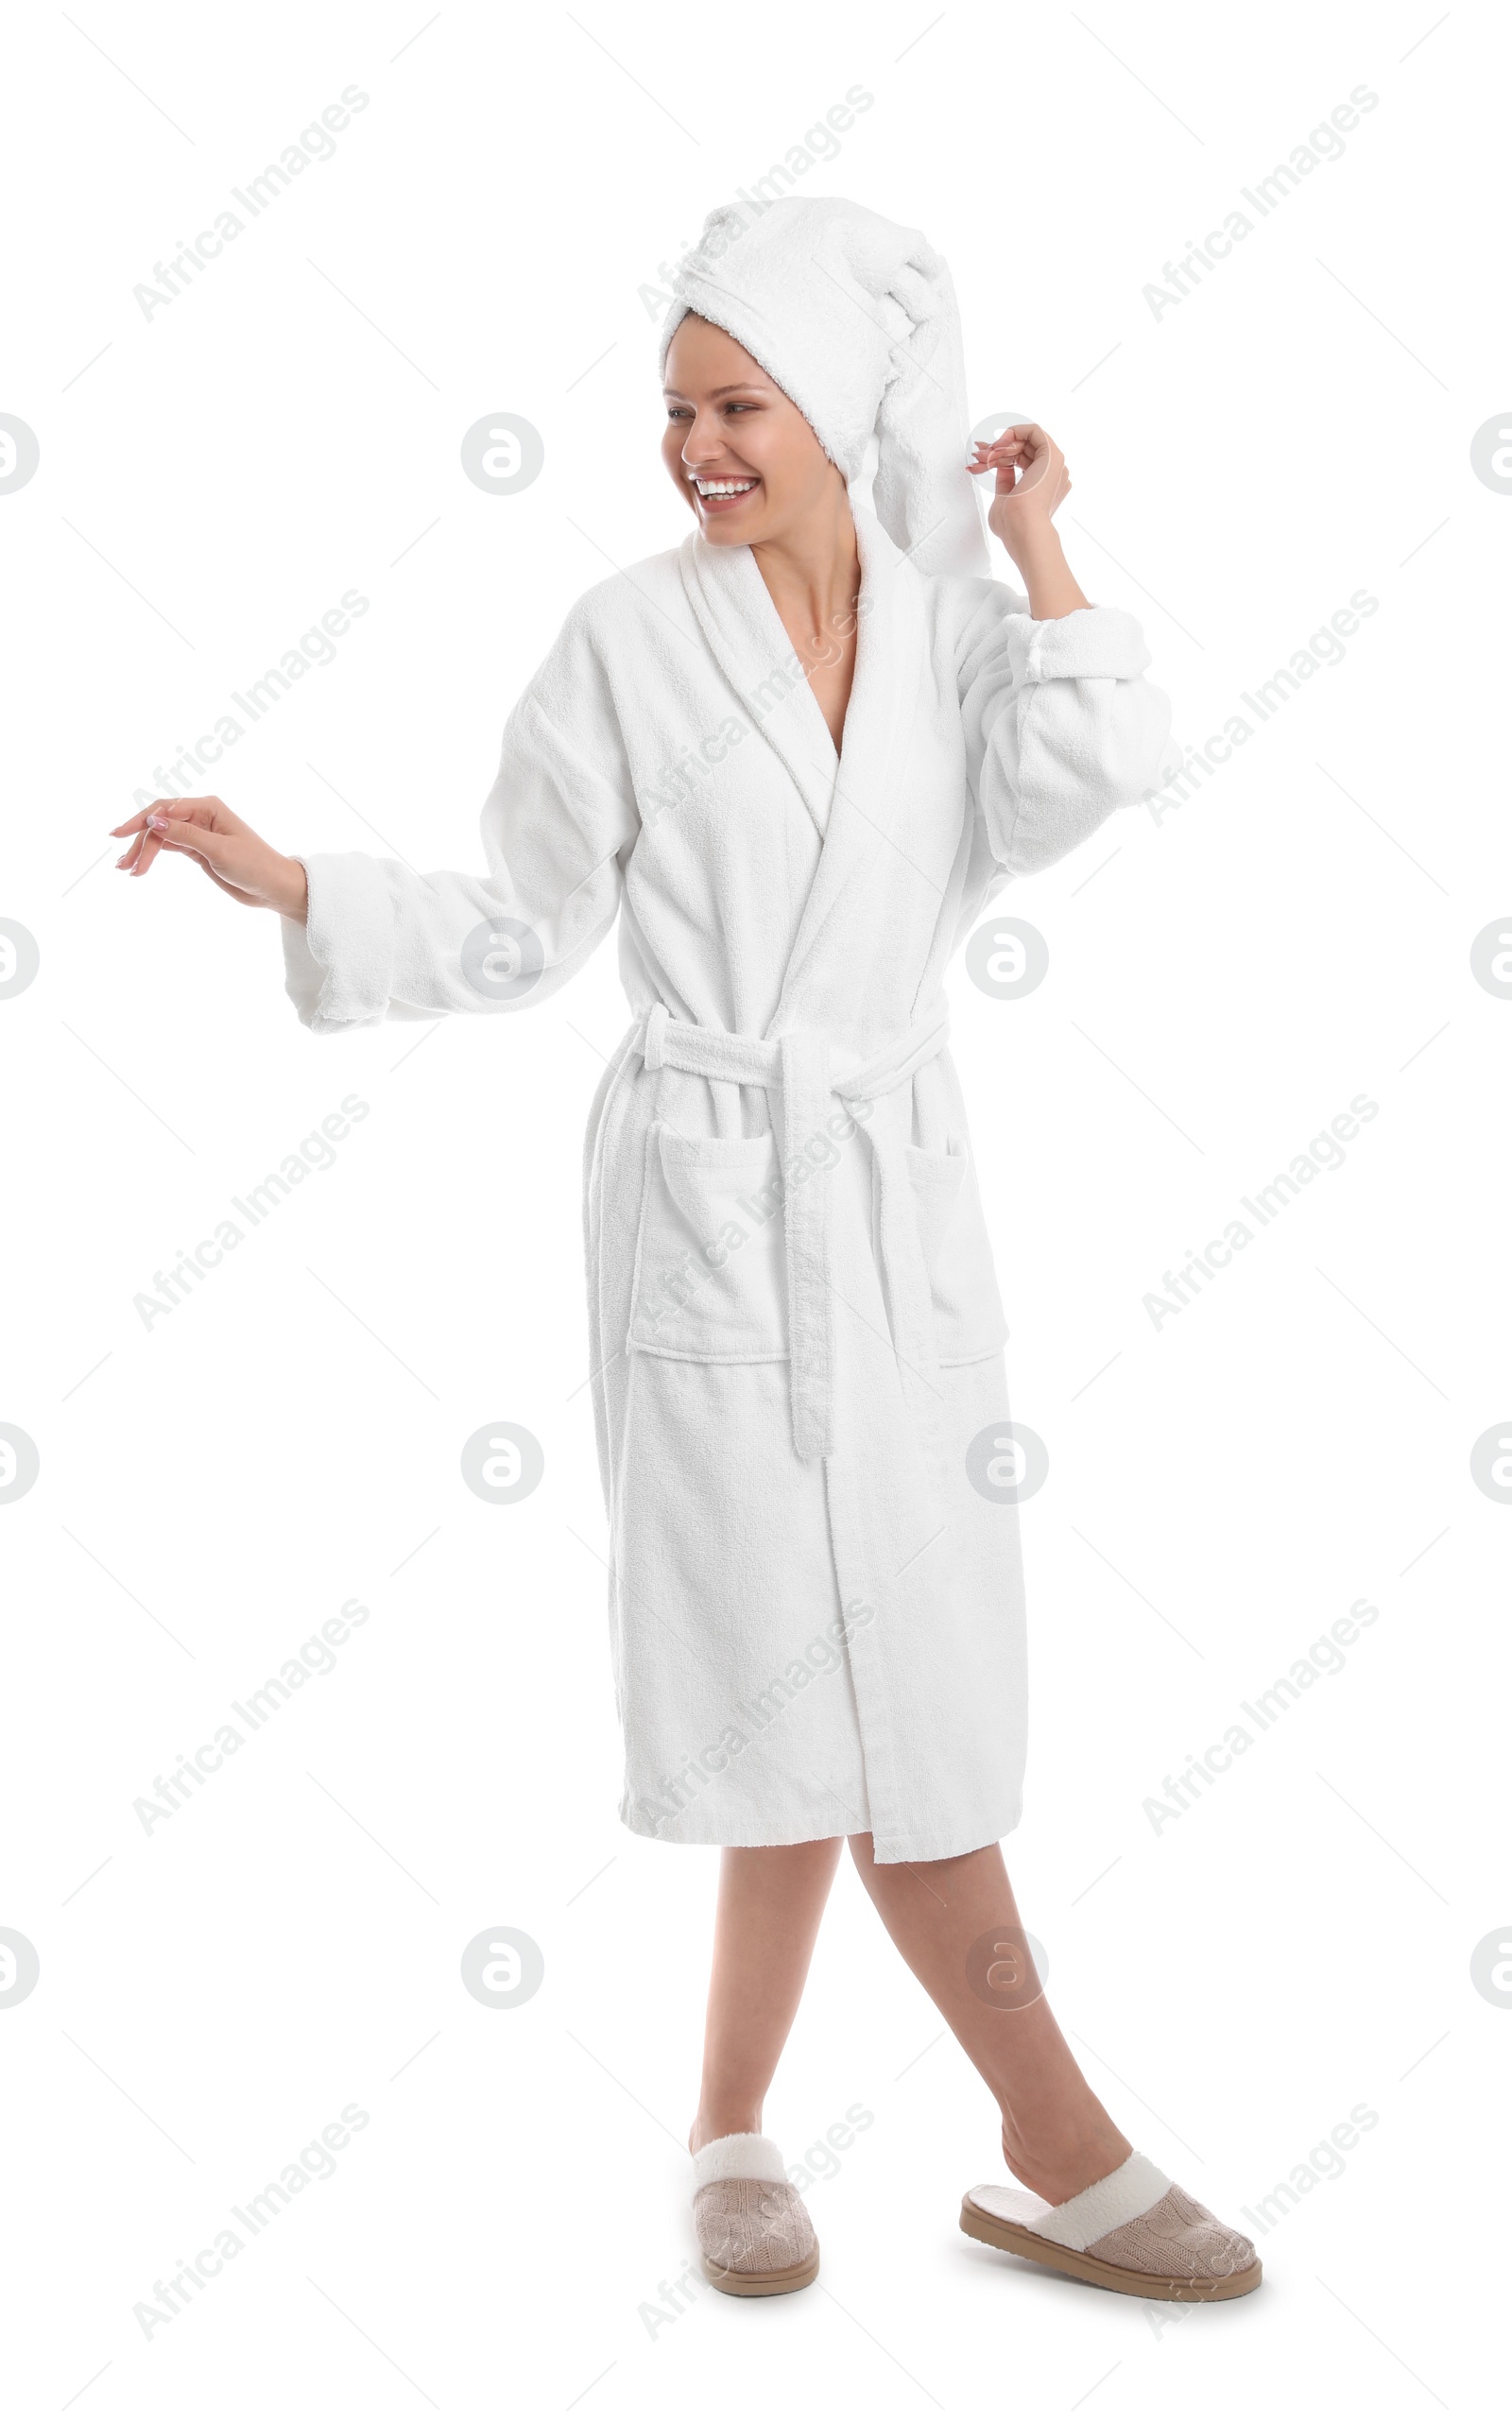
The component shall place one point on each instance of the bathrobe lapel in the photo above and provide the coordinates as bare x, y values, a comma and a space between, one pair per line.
865, 844
746, 638
857, 801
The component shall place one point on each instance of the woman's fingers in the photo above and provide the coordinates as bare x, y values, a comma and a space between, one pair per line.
1041, 476
210, 814
231, 854
146, 849
196, 840
1040, 456
1026, 457
1009, 458
158, 808
202, 829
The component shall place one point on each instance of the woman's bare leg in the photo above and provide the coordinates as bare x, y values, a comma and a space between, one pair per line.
770, 1904
957, 1926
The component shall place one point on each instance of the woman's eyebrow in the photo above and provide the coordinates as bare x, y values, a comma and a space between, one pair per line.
752, 387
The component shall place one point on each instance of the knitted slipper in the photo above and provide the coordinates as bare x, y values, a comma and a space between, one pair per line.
1133, 2231
754, 2233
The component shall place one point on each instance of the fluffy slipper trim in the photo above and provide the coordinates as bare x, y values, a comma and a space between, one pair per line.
741, 2158
1078, 2224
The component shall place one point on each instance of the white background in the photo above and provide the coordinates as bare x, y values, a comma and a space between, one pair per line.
1224, 979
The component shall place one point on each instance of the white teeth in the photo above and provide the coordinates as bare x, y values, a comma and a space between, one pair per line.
723, 487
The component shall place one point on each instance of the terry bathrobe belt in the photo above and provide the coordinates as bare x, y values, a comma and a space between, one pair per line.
798, 1068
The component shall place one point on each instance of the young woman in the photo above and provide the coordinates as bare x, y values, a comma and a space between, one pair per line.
798, 755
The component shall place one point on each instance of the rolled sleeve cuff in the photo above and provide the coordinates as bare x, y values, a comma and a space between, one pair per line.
337, 966
1092, 642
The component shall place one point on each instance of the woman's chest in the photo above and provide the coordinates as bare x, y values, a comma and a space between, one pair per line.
828, 665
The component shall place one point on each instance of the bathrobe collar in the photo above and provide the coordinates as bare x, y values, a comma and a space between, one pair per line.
857, 805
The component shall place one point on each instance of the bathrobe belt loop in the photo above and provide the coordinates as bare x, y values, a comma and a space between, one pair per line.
798, 1068
653, 1038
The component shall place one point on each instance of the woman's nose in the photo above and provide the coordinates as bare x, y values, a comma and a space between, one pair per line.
702, 444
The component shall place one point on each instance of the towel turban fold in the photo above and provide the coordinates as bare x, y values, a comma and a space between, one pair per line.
856, 321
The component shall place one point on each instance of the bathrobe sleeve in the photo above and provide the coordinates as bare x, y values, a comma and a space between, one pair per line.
382, 941
1061, 728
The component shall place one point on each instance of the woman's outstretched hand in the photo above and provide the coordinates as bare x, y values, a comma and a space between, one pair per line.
232, 855
1032, 479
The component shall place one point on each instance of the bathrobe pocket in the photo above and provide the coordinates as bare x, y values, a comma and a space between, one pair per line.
969, 1319
709, 1278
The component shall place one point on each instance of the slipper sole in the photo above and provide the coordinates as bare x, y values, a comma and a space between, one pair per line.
1012, 2238
795, 2276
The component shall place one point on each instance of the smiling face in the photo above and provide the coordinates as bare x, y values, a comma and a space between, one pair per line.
739, 449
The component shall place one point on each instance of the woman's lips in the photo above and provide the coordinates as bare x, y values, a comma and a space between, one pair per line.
726, 504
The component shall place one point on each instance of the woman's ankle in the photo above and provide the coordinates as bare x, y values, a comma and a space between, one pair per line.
1057, 2162
709, 2124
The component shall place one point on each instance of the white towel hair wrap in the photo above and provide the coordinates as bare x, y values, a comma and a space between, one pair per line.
856, 321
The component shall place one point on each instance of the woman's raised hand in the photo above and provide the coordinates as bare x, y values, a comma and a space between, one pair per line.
1032, 479
232, 855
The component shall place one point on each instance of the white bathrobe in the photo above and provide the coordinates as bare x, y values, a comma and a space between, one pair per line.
797, 1336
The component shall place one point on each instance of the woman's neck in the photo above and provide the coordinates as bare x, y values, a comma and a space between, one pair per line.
813, 573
